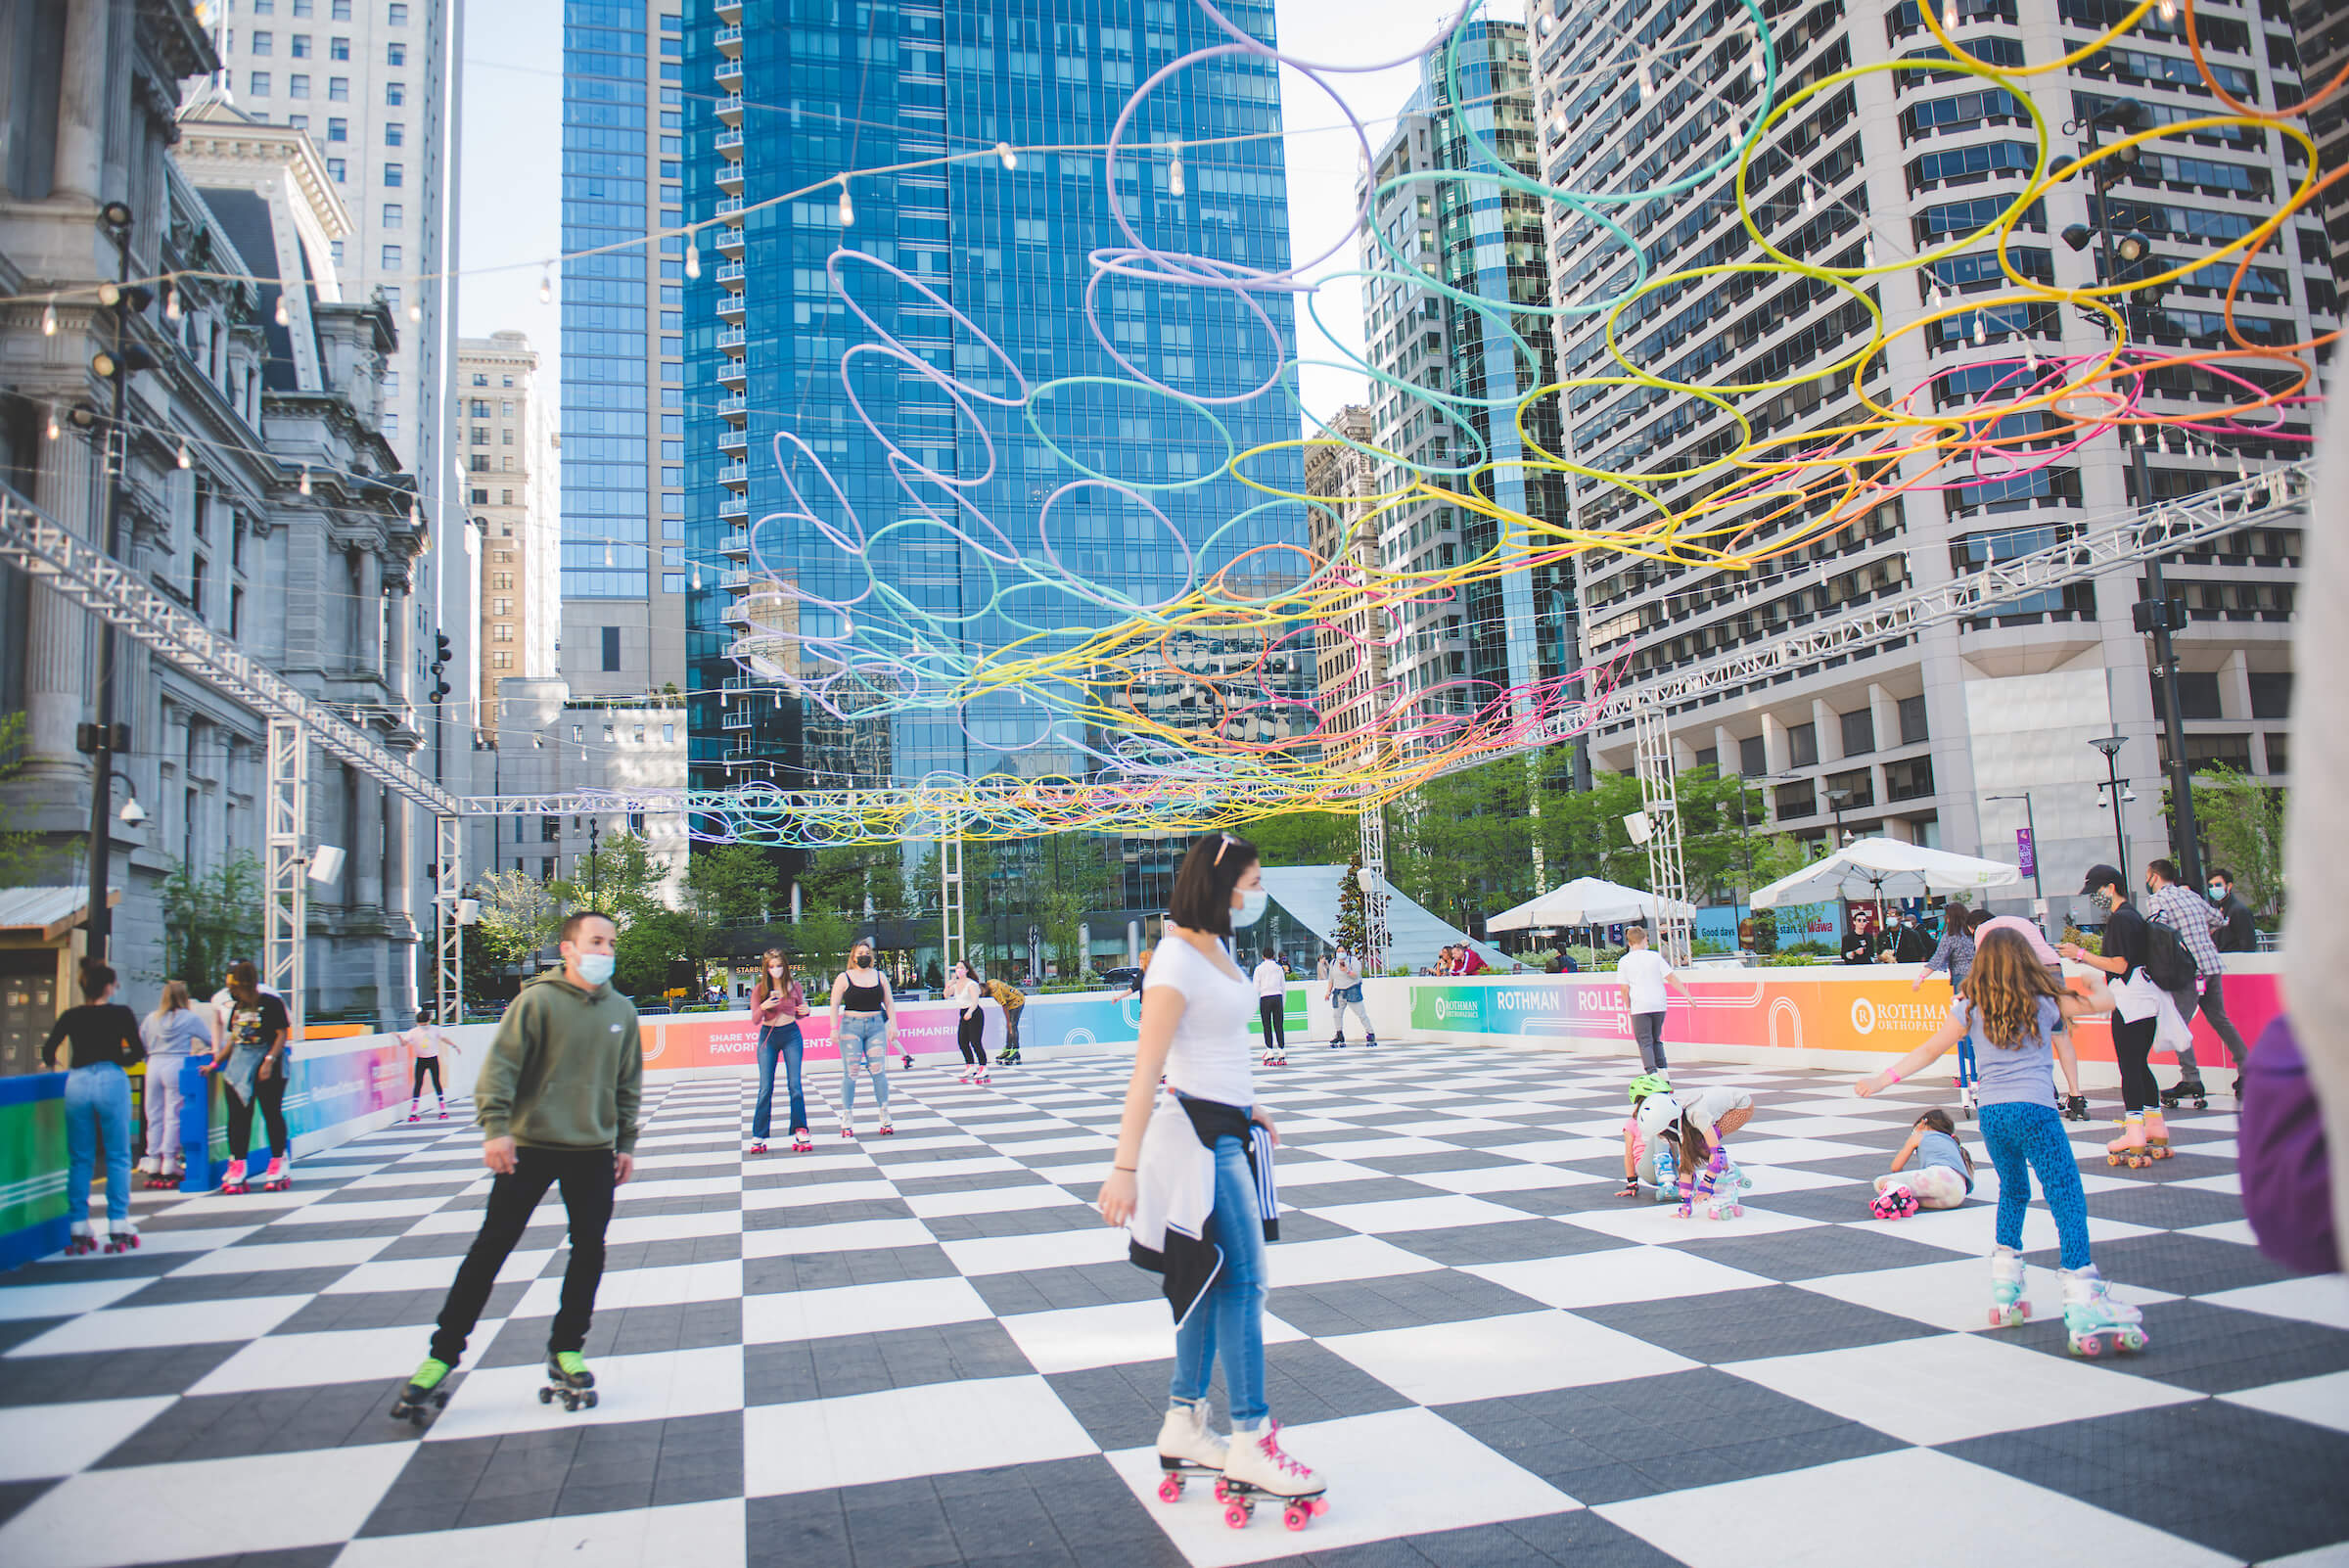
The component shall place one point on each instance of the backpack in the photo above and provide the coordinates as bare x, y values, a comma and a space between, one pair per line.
2167, 959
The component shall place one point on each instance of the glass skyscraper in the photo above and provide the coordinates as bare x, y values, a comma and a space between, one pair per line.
807, 89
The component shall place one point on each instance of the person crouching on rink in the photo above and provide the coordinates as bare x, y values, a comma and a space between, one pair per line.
1697, 1130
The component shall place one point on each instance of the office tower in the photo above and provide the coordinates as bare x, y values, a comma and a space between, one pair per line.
1351, 646
624, 502
501, 430
1913, 740
2323, 31
1005, 240
1437, 221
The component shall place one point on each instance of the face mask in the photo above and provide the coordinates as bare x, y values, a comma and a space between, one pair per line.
1252, 907
2218, 892
595, 967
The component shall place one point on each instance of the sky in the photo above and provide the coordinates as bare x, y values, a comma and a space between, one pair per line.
510, 216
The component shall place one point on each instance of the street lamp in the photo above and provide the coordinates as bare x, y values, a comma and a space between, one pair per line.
2156, 615
595, 834
2110, 746
2039, 892
1837, 800
123, 300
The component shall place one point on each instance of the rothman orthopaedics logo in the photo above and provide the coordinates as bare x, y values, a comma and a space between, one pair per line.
1864, 1016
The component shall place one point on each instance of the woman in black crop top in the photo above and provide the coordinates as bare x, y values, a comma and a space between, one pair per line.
105, 1036
864, 1024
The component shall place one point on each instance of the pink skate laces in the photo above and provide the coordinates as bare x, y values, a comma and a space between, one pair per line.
1270, 1446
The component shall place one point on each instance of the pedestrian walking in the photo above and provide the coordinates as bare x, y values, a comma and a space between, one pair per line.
1273, 1007
253, 1054
1012, 1001
864, 1020
1192, 1177
556, 1099
777, 1004
2240, 932
426, 1042
2010, 1007
101, 1041
1645, 975
2126, 948
1343, 989
970, 1021
174, 1031
2197, 922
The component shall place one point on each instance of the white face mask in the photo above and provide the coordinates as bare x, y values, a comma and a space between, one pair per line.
595, 967
1252, 907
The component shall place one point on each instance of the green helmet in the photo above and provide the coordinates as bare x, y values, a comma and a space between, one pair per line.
1647, 1083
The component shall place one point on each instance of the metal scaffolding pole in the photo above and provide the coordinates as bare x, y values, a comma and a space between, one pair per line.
284, 915
449, 967
1373, 822
1659, 798
952, 942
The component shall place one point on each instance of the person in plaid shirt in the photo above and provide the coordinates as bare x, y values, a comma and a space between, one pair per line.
2193, 918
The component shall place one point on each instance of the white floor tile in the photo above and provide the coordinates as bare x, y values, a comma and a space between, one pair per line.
1496, 1357
340, 1356
37, 1441
2320, 1400
434, 1274
1560, 1151
1500, 1179
708, 1535
849, 1235
1618, 1274
896, 1433
1402, 1215
196, 1323
1955, 1294
795, 1315
1321, 1263
1754, 1146
268, 1256
1917, 1507
2238, 1231
205, 1509
990, 1200
622, 1288
820, 1162
1974, 1228
810, 1194
1396, 1473
1075, 1338
2312, 1299
657, 1191
1050, 1249
1660, 1225
628, 1229
342, 1214
657, 1387
929, 1169
65, 1301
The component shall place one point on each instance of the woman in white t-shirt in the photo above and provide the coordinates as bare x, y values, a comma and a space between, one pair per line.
1195, 1007
1272, 1006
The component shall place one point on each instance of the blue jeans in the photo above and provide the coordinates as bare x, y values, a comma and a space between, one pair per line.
97, 1105
2023, 1138
1229, 1318
787, 1042
863, 1039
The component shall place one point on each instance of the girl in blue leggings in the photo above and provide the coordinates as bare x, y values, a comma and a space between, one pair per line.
2013, 1014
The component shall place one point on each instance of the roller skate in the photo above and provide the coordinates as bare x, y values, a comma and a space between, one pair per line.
966, 1075
2007, 1308
2090, 1313
886, 1127
847, 1132
757, 1146
1186, 1442
801, 1142
279, 1179
2130, 1147
2157, 1136
1338, 1045
232, 1180
569, 1380
1255, 1467
1967, 1101
121, 1236
414, 1113
1011, 1058
2075, 1107
444, 1112
425, 1393
2186, 1089
1724, 1208
1371, 1042
80, 1240
985, 1079
1895, 1202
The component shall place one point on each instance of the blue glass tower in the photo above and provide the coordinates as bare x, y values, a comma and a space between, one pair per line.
807, 89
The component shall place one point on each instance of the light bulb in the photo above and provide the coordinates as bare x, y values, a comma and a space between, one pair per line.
607, 552
305, 479
1011, 160
1810, 198
2169, 10
285, 317
1867, 253
49, 319
693, 256
1648, 81
546, 288
185, 461
1761, 71
1949, 17
847, 209
697, 579
53, 421
1981, 330
415, 311
171, 307
1174, 185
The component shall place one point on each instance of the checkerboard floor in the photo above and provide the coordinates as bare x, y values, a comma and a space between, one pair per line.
927, 1350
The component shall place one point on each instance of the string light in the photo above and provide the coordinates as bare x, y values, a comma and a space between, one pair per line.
53, 421
1175, 168
285, 317
1867, 251
1810, 198
2169, 10
1011, 160
171, 307
49, 318
546, 288
185, 460
415, 310
693, 256
1949, 17
305, 479
847, 209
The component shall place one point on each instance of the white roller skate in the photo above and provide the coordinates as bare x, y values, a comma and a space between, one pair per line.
122, 1235
1726, 1207
2007, 1308
1255, 1467
79, 1241
2090, 1313
1186, 1442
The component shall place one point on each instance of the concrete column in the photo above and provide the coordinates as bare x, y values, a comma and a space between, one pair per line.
57, 636
367, 624
81, 166
367, 843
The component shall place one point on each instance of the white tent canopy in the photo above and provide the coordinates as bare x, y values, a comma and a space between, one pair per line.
1311, 893
1872, 868
1588, 901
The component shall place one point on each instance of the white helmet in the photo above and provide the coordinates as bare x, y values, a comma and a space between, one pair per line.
1656, 1113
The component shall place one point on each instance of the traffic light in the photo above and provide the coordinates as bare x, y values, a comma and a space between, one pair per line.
134, 359
443, 656
2149, 616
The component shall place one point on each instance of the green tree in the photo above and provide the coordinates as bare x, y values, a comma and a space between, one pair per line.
1304, 838
519, 918
731, 884
21, 858
210, 919
1353, 915
621, 878
1463, 843
1075, 873
842, 877
820, 941
2242, 821
655, 937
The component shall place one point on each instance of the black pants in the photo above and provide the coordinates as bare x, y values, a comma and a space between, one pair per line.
1011, 1029
426, 1066
1647, 1029
270, 1094
1275, 1011
585, 1177
2131, 1045
970, 1032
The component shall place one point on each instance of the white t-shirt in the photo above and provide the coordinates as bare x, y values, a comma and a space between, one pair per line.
1644, 971
1343, 975
1709, 1106
1210, 1058
1270, 979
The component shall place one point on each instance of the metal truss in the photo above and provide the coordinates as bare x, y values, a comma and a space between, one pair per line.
285, 885
1374, 898
448, 933
1659, 798
953, 942
53, 554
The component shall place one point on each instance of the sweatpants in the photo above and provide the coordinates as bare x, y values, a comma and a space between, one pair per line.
164, 1100
1648, 1030
1339, 1003
2029, 1139
585, 1177
2213, 1003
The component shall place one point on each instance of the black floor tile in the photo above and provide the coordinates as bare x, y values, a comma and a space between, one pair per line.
1750, 1325
837, 1367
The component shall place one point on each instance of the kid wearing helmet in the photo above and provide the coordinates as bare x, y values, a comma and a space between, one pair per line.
1698, 1129
1638, 1150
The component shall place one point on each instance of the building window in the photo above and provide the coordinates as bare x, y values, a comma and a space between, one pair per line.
1752, 757
1860, 784
505, 408
336, 169
395, 95
391, 258
501, 660
505, 438
480, 464
481, 498
338, 49
302, 8
197, 568
611, 648
395, 54
338, 130
340, 10
551, 830
338, 89
480, 436
260, 84
264, 43
1912, 721
396, 15
502, 632
1859, 731
480, 377
669, 735
236, 617
335, 246
1803, 745
579, 732
297, 86
299, 122
1911, 780
264, 8
505, 498
394, 217
299, 46
390, 302
2271, 697
394, 174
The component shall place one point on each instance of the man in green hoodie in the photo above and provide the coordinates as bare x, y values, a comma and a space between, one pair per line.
556, 1099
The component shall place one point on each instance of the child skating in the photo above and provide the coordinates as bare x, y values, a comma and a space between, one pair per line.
1697, 1130
424, 1044
1944, 1173
1642, 1167
557, 1101
2013, 1009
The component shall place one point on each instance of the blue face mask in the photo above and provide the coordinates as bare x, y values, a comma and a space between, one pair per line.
1252, 907
594, 967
